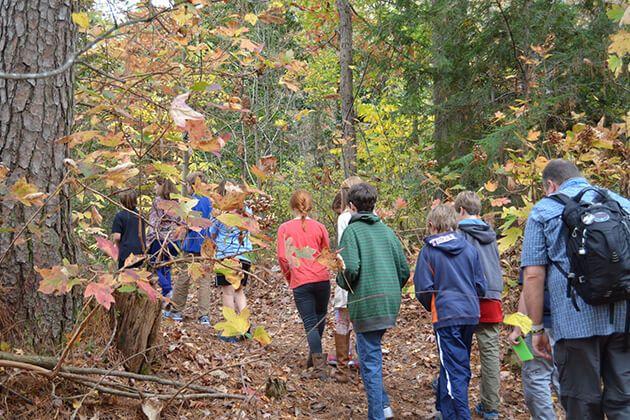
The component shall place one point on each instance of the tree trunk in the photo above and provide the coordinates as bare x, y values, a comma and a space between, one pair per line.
450, 80
35, 36
138, 324
348, 118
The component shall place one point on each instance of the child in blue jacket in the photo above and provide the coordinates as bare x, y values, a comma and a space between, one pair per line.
192, 246
448, 282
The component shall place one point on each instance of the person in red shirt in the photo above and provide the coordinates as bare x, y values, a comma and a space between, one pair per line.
484, 239
298, 240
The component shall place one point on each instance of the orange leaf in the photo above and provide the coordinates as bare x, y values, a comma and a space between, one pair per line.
500, 202
102, 292
532, 135
491, 186
328, 258
208, 248
400, 203
107, 247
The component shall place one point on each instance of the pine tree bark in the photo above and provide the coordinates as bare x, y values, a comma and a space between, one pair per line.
35, 36
348, 117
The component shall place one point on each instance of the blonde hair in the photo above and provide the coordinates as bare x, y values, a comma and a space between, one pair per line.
468, 201
302, 202
442, 218
345, 187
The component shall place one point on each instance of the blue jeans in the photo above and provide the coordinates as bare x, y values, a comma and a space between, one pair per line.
538, 375
371, 359
311, 300
454, 345
159, 255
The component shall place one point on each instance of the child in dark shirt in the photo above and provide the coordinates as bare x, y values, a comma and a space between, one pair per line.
128, 229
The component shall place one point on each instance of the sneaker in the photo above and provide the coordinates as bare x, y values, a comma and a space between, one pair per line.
332, 360
228, 339
204, 320
486, 414
388, 412
174, 315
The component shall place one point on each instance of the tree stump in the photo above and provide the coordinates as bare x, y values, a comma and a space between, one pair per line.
137, 325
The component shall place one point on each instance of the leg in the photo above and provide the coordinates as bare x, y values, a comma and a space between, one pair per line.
579, 362
489, 354
240, 300
454, 345
305, 303
180, 293
537, 377
371, 357
227, 293
616, 376
322, 295
205, 287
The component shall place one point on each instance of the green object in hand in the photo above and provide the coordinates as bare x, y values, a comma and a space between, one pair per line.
522, 351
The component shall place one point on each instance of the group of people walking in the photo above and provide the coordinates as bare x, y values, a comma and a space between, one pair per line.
457, 278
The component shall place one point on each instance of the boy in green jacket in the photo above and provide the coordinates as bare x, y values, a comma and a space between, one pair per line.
375, 272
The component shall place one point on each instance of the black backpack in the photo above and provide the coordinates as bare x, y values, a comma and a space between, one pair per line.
598, 247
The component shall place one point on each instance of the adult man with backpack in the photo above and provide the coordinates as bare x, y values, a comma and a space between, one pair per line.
578, 238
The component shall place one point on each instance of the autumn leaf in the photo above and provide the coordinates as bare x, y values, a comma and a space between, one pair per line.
233, 200
198, 224
500, 202
167, 170
261, 335
58, 279
148, 290
259, 173
231, 219
541, 162
328, 258
96, 216
78, 138
182, 113
510, 237
400, 203
3, 172
133, 259
112, 140
251, 46
120, 174
26, 193
251, 19
195, 271
234, 324
81, 20
102, 292
491, 186
107, 247
231, 269
208, 248
533, 135
519, 320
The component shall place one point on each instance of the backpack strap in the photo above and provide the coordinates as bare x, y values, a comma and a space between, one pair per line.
602, 192
570, 290
561, 199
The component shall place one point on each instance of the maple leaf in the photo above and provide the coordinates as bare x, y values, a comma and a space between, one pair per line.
500, 202
400, 203
233, 200
532, 135
491, 186
251, 46
234, 324
328, 258
294, 255
112, 140
95, 215
198, 223
107, 247
182, 113
78, 138
133, 259
26, 193
148, 290
102, 292
261, 335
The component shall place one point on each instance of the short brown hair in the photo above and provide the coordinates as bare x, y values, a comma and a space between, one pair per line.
442, 218
167, 187
468, 201
129, 199
192, 177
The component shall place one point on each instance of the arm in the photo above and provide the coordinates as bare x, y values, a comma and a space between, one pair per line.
423, 279
516, 331
401, 263
349, 276
117, 229
533, 292
282, 258
481, 284
342, 224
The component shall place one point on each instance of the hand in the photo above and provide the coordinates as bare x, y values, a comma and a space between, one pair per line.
341, 263
514, 336
540, 344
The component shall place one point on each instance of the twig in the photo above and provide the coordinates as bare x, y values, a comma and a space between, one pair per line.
17, 394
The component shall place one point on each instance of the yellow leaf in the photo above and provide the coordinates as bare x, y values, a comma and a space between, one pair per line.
118, 175
519, 320
620, 43
81, 20
26, 193
541, 162
261, 335
532, 135
234, 324
251, 19
491, 186
509, 238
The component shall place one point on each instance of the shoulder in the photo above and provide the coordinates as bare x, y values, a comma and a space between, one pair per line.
344, 218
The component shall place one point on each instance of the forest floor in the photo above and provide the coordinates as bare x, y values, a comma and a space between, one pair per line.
188, 349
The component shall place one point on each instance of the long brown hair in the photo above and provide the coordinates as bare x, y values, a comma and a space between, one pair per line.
302, 202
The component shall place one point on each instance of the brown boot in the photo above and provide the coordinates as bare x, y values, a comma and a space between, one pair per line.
320, 366
341, 347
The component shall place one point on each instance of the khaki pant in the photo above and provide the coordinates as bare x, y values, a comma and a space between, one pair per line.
490, 356
180, 293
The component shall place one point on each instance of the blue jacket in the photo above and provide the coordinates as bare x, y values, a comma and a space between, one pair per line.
192, 242
449, 267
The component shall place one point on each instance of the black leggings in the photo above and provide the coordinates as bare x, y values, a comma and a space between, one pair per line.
311, 300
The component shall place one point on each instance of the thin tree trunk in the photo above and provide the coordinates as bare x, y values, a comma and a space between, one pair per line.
35, 36
345, 88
